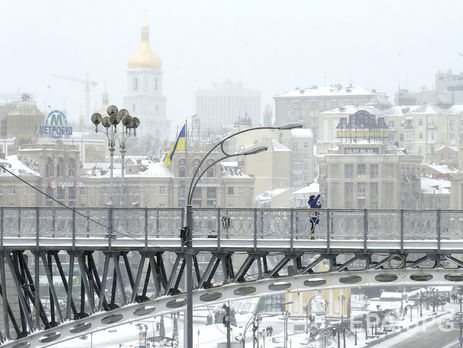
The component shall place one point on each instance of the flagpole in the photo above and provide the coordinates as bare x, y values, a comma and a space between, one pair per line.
186, 160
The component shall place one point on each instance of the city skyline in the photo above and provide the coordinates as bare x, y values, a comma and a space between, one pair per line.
268, 48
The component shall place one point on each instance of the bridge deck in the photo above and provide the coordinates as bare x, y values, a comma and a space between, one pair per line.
212, 244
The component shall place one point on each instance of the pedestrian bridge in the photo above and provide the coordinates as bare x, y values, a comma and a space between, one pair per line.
64, 273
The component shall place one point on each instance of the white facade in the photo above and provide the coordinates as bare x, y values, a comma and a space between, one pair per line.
220, 107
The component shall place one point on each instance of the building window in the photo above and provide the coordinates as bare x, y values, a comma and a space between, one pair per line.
181, 172
12, 191
374, 171
420, 135
348, 170
408, 135
58, 170
211, 193
361, 189
210, 172
452, 139
72, 193
181, 191
82, 191
361, 203
230, 190
306, 145
374, 189
348, 188
361, 169
70, 170
452, 123
135, 84
163, 190
60, 193
420, 122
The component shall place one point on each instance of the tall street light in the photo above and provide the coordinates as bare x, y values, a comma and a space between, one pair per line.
129, 128
188, 237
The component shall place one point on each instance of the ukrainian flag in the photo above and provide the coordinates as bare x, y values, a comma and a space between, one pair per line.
178, 146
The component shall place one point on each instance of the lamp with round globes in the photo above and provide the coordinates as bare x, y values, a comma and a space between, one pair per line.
111, 122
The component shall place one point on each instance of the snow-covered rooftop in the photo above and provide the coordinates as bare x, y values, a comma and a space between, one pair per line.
308, 189
268, 195
279, 147
149, 169
435, 186
302, 133
232, 170
154, 169
441, 168
334, 90
13, 164
453, 148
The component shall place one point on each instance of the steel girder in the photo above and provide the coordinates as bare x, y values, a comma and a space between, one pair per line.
54, 286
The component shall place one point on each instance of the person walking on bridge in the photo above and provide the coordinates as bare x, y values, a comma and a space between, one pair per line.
314, 216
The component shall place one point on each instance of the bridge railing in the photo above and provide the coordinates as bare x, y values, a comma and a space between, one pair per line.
231, 223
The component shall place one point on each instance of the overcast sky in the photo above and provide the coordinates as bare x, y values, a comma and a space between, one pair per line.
270, 46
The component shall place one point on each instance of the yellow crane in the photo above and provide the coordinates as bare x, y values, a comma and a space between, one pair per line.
86, 81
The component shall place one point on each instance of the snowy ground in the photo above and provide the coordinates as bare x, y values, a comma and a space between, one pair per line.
208, 336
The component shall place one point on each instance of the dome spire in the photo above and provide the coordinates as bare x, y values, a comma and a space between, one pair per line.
145, 58
145, 30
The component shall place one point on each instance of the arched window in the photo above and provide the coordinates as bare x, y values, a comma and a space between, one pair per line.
211, 171
135, 84
60, 168
71, 168
49, 168
181, 169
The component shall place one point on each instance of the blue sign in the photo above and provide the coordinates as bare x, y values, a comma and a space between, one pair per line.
56, 125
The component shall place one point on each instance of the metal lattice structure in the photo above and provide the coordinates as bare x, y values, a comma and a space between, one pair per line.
64, 273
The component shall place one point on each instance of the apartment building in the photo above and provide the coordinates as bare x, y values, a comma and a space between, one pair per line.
374, 176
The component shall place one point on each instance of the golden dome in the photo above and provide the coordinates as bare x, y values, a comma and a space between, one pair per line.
145, 58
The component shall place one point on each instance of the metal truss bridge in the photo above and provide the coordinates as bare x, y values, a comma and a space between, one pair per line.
65, 273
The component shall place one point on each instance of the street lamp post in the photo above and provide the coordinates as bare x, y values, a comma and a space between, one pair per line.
188, 237
461, 316
306, 308
285, 339
342, 298
111, 122
421, 304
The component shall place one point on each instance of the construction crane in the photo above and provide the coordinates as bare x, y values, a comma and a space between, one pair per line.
87, 82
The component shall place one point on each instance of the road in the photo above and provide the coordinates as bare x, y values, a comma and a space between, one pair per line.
431, 335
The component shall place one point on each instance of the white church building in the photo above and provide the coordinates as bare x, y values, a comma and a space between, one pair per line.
144, 98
